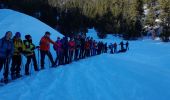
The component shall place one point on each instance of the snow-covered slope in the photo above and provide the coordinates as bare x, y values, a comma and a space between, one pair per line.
17, 22
109, 39
143, 73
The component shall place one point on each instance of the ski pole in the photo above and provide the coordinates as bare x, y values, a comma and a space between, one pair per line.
22, 65
38, 57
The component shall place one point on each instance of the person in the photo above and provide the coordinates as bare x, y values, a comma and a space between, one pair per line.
87, 47
127, 45
105, 48
59, 52
65, 58
115, 47
122, 49
82, 47
45, 49
16, 58
94, 47
77, 48
6, 52
99, 47
91, 46
28, 50
71, 44
111, 48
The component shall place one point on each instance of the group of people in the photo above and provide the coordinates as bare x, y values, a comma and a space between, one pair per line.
11, 49
67, 50
114, 47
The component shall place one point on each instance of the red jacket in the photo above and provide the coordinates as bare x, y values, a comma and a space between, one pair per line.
87, 45
71, 45
45, 43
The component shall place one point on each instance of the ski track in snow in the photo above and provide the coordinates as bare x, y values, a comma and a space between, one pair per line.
143, 73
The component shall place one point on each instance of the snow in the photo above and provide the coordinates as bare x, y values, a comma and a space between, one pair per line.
109, 39
18, 22
143, 73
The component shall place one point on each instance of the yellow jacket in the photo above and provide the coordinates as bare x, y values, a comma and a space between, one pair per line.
18, 46
28, 48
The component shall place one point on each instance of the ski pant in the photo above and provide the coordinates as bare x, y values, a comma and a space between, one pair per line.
65, 56
82, 54
29, 58
115, 50
5, 62
105, 51
77, 54
87, 52
94, 51
16, 65
71, 55
91, 51
111, 50
43, 54
59, 59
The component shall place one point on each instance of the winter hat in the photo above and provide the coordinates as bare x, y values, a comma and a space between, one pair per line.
27, 37
47, 33
8, 32
18, 34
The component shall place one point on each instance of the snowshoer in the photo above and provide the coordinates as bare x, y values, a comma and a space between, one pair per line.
115, 47
16, 58
82, 47
59, 52
91, 46
127, 45
87, 48
95, 47
28, 50
77, 48
71, 44
6, 52
105, 48
45, 49
65, 58
111, 48
122, 49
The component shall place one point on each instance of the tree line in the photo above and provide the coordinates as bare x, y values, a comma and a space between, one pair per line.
125, 17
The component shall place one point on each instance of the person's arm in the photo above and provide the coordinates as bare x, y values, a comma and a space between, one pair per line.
51, 41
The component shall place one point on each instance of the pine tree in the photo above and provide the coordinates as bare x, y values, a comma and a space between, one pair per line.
165, 17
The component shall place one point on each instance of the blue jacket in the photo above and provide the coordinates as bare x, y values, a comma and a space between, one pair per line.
6, 48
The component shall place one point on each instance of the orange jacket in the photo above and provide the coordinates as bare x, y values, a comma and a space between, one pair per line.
45, 43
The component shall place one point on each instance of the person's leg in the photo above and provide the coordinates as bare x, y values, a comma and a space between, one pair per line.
18, 66
51, 58
1, 63
27, 65
13, 65
35, 62
56, 60
6, 70
42, 53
